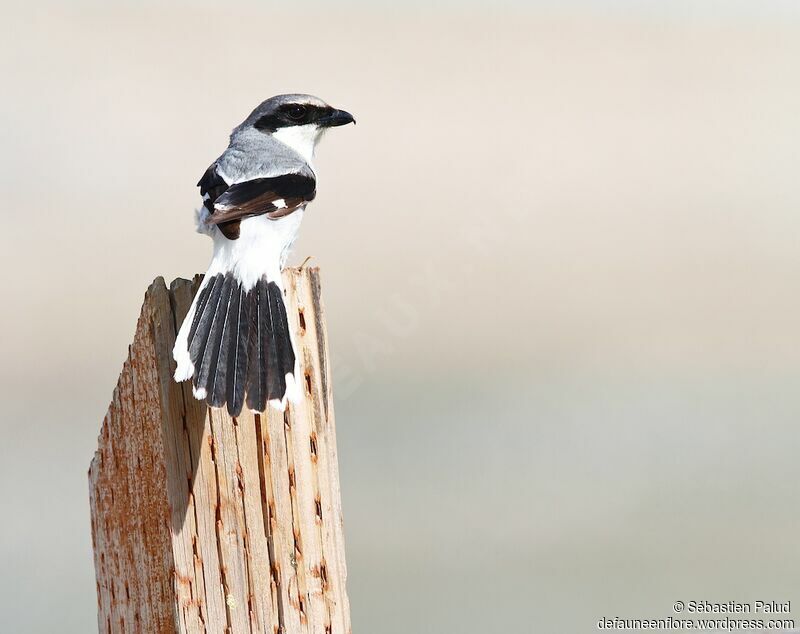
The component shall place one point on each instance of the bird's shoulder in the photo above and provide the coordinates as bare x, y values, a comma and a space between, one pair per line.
251, 156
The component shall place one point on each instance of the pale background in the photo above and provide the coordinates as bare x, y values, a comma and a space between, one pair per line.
561, 264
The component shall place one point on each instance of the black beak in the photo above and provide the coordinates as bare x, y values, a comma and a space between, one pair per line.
336, 118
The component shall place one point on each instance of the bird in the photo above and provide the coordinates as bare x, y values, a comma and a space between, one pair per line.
235, 344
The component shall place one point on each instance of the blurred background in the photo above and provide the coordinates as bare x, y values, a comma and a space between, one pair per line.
560, 260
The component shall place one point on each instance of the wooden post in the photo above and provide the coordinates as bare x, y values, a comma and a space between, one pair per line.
206, 523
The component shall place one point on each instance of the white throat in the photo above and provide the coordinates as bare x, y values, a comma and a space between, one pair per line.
301, 138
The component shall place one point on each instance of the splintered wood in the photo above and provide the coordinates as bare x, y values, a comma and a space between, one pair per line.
206, 523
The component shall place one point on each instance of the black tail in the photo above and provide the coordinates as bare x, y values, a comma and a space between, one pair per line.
239, 344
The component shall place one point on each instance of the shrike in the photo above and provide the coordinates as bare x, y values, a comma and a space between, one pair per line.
235, 343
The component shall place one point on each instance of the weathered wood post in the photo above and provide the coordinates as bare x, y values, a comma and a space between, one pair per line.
206, 523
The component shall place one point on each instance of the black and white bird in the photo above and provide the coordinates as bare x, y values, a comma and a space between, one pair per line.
235, 343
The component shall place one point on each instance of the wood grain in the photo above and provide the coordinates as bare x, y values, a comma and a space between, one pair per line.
206, 523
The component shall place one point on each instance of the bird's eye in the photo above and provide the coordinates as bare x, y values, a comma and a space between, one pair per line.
296, 113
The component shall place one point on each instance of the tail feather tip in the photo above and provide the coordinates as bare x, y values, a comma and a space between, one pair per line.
185, 368
293, 391
291, 395
183, 372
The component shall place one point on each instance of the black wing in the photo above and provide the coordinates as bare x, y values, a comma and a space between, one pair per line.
277, 196
212, 184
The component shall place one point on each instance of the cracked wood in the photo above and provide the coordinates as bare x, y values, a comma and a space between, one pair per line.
206, 523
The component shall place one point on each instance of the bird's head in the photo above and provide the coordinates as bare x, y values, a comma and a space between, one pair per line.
296, 120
